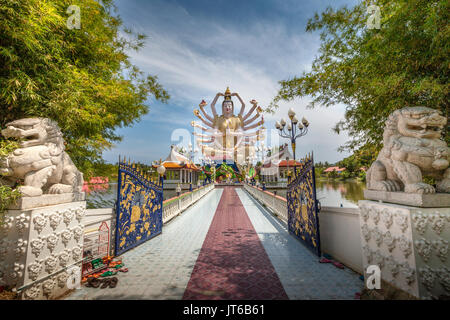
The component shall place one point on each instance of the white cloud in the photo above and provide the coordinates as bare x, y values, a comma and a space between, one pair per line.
203, 58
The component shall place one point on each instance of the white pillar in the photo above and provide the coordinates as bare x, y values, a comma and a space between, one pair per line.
45, 242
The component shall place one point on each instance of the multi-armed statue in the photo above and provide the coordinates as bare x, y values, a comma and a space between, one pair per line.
227, 135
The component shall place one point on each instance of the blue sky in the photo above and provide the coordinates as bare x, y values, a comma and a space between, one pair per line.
199, 47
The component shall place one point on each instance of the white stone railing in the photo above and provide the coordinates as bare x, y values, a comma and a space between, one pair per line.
277, 204
174, 206
171, 208
339, 227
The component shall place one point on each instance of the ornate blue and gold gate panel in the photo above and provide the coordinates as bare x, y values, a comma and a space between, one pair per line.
138, 208
303, 219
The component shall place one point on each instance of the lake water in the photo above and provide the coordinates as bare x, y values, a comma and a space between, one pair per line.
330, 193
104, 196
333, 193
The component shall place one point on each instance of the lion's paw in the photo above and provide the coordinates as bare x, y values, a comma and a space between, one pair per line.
59, 189
443, 186
28, 191
391, 185
419, 187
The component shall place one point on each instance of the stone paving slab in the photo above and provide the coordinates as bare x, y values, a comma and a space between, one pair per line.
161, 267
232, 263
302, 276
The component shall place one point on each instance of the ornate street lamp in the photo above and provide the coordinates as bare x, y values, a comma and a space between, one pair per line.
295, 129
192, 153
161, 170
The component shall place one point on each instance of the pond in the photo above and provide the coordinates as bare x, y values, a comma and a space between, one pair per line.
330, 193
334, 193
105, 195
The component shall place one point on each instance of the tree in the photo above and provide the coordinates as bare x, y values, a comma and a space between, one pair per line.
81, 78
376, 71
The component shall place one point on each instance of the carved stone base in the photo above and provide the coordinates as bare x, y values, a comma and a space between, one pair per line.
409, 244
38, 246
433, 200
47, 200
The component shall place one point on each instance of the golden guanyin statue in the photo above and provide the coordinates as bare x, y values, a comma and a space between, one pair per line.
227, 135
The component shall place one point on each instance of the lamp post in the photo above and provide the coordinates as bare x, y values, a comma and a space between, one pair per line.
192, 153
161, 170
295, 129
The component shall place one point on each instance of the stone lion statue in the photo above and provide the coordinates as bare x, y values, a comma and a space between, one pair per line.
412, 147
40, 161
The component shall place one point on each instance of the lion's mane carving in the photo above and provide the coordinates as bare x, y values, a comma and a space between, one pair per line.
412, 148
41, 160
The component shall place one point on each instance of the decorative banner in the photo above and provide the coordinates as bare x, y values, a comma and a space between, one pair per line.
303, 218
138, 209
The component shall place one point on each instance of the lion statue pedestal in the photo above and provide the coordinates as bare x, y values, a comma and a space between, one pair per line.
41, 237
405, 223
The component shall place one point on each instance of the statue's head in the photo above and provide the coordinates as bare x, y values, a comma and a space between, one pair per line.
227, 104
420, 122
34, 132
227, 108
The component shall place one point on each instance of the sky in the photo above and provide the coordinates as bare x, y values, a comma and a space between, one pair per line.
197, 48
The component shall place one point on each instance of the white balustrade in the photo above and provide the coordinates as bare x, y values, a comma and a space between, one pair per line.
276, 204
174, 207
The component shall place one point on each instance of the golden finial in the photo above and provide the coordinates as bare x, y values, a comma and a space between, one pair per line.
227, 94
133, 165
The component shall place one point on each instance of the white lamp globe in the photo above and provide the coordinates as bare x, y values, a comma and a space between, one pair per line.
294, 120
291, 113
283, 122
161, 170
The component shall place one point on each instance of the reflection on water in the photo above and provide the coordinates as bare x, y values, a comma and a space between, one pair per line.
330, 193
105, 195
333, 193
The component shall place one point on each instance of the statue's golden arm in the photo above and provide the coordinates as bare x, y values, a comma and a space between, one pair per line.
197, 113
249, 113
241, 101
205, 140
201, 135
255, 104
251, 120
196, 125
205, 114
255, 125
213, 103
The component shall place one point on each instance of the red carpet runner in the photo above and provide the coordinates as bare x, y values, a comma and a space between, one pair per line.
232, 263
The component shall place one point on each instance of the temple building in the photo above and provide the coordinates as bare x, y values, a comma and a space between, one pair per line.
179, 170
275, 168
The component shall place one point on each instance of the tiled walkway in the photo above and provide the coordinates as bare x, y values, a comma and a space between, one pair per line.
161, 268
232, 263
